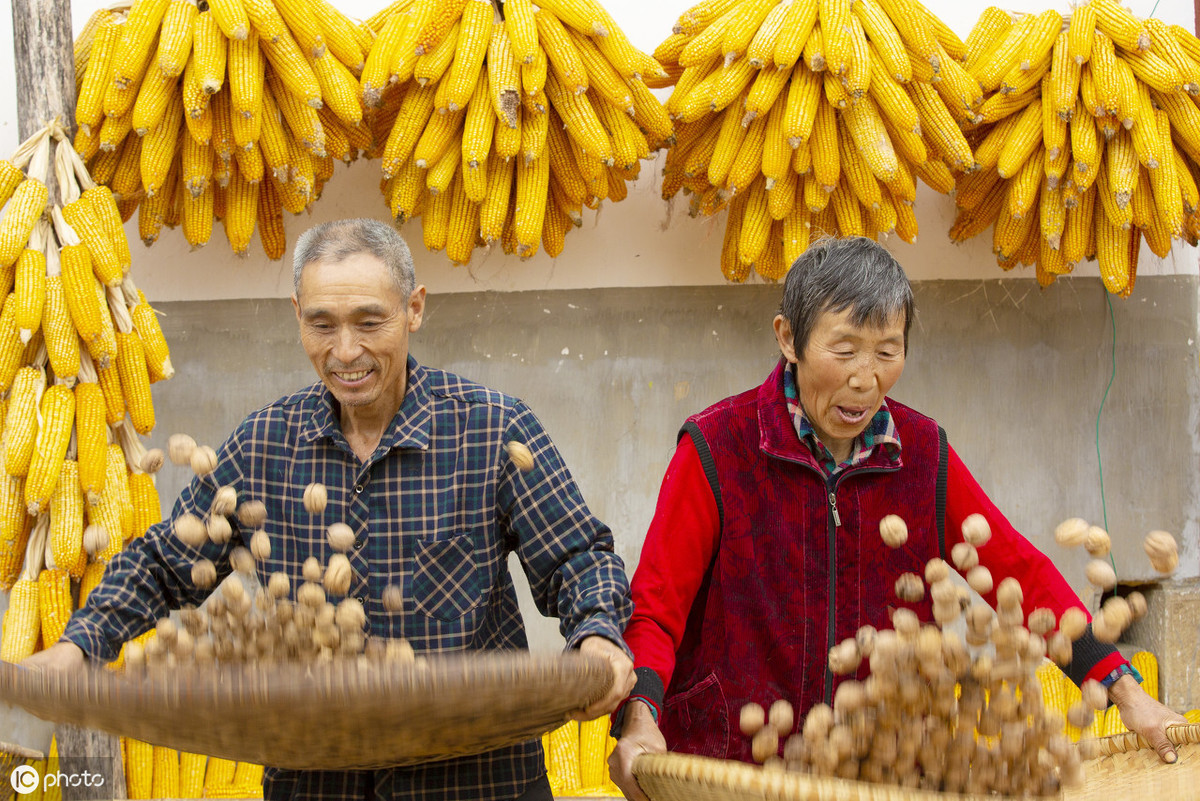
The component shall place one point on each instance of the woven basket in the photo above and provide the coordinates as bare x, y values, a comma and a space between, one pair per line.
11, 758
1127, 769
327, 716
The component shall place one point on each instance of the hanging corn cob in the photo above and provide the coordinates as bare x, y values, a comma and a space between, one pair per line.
502, 124
78, 344
236, 114
812, 116
1088, 141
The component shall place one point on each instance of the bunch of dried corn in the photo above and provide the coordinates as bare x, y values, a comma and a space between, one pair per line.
79, 347
235, 112
943, 711
1089, 139
807, 116
504, 128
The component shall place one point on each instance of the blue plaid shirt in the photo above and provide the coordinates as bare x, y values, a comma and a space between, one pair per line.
437, 509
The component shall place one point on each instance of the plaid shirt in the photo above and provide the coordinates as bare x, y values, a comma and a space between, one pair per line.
437, 508
880, 431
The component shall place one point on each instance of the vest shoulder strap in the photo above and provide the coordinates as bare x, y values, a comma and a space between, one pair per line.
693, 432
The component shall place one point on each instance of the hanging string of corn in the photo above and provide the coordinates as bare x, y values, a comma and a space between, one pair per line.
808, 116
79, 348
1088, 141
503, 121
227, 110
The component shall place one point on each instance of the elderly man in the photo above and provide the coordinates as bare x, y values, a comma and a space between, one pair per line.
413, 460
765, 548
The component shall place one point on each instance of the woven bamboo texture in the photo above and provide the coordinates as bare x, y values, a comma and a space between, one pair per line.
12, 757
1128, 768
326, 716
682, 777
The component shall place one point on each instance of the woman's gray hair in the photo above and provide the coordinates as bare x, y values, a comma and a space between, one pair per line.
854, 273
339, 239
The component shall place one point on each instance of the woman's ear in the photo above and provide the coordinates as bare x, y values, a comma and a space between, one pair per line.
783, 335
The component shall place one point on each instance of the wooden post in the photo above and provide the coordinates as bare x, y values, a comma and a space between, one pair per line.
45, 71
45, 64
82, 750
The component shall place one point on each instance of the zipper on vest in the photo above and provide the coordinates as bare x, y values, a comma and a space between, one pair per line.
832, 631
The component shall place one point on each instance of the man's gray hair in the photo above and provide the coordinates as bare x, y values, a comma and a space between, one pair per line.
854, 273
339, 239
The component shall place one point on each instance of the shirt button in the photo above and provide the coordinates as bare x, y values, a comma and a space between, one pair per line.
361, 600
358, 489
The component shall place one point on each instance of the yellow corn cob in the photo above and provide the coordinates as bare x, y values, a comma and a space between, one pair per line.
562, 758
231, 17
151, 103
825, 162
1168, 201
175, 39
247, 778
22, 622
756, 225
863, 123
748, 162
342, 37
147, 509
532, 187
30, 290
475, 34
1078, 232
593, 743
209, 51
139, 769
463, 225
66, 521
54, 603
239, 220
12, 547
165, 780
246, 75
136, 44
104, 257
24, 210
89, 105
57, 416
939, 126
20, 423
191, 774
62, 341
1022, 140
91, 576
1113, 253
290, 71
339, 88
579, 117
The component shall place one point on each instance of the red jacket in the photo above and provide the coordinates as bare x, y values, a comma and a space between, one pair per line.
747, 577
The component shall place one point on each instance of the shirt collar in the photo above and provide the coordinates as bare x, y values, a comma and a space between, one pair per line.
880, 431
411, 427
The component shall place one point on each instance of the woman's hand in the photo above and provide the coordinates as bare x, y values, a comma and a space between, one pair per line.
639, 735
1142, 714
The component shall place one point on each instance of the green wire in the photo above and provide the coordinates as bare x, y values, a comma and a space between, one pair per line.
1099, 462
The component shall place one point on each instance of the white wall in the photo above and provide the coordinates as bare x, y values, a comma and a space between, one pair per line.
641, 241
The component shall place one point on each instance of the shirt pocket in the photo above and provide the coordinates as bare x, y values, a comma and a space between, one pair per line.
702, 713
446, 580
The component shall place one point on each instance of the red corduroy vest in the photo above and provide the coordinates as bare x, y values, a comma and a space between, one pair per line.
800, 565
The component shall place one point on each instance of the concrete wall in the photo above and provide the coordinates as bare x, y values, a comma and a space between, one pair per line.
1015, 375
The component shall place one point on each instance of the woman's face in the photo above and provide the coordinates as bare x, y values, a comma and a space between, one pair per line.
844, 373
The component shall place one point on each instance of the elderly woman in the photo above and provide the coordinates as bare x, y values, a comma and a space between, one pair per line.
765, 550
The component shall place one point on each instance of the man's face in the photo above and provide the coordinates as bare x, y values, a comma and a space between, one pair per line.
354, 326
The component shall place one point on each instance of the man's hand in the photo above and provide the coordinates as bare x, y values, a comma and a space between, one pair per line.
1142, 714
623, 678
62, 657
639, 735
